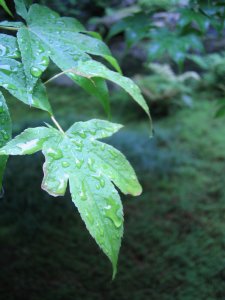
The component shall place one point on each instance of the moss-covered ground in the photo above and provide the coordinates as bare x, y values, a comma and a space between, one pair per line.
174, 242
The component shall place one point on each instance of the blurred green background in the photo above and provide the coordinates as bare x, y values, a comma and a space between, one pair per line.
174, 241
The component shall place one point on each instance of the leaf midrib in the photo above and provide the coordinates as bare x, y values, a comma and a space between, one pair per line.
98, 209
45, 40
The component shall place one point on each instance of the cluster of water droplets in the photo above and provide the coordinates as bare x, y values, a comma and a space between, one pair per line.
41, 61
56, 154
8, 71
9, 52
4, 119
111, 209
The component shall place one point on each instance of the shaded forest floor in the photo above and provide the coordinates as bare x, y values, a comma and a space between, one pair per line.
174, 243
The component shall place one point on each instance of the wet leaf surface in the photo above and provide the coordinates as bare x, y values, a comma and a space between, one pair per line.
92, 168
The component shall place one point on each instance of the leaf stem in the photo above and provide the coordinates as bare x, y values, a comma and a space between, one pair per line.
56, 76
72, 71
57, 124
9, 28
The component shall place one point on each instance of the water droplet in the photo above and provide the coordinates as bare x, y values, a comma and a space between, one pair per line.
100, 180
133, 177
14, 69
5, 135
6, 69
82, 134
90, 217
79, 163
79, 145
44, 61
113, 153
40, 49
9, 86
102, 147
75, 57
94, 143
30, 98
65, 164
36, 72
60, 186
16, 54
99, 238
111, 212
83, 194
101, 231
93, 132
91, 164
55, 153
3, 50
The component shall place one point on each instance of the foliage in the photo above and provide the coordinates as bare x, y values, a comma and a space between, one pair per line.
174, 44
44, 36
212, 66
165, 88
5, 131
154, 5
5, 7
176, 225
214, 10
221, 108
170, 34
135, 28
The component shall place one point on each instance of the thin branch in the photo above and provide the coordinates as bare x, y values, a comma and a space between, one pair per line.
72, 71
57, 124
56, 76
9, 28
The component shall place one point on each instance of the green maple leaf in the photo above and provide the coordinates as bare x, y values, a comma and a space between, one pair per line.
9, 47
92, 69
49, 36
92, 168
189, 16
12, 76
5, 133
164, 42
66, 42
22, 6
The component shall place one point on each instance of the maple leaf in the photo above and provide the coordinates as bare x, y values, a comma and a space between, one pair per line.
92, 168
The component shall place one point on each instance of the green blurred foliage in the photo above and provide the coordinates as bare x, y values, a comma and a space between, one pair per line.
165, 90
179, 29
175, 232
172, 44
213, 68
154, 5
